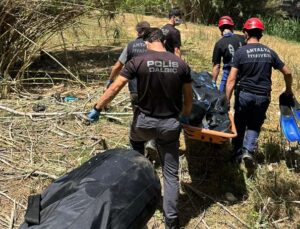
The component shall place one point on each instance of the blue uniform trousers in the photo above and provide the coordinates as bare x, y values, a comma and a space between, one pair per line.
226, 70
249, 116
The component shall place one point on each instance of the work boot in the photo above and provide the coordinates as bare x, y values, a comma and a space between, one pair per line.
236, 156
247, 160
172, 223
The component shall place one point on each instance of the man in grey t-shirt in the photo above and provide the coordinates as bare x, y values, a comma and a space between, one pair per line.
133, 48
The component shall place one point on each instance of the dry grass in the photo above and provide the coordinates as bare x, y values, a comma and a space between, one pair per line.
29, 147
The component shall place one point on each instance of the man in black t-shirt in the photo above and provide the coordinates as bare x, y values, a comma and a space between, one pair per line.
172, 35
253, 64
133, 48
225, 48
164, 91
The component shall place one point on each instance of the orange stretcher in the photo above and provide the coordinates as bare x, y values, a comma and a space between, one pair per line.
212, 136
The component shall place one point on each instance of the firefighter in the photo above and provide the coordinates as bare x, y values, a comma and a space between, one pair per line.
250, 75
164, 91
225, 48
172, 35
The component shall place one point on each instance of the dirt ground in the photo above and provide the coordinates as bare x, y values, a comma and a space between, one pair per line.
214, 192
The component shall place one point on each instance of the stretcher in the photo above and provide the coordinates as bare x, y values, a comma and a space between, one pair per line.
206, 135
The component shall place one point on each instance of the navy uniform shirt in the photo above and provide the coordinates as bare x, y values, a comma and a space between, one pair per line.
133, 49
173, 38
254, 63
160, 78
226, 47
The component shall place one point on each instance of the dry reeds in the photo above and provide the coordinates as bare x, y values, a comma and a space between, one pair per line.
25, 26
276, 196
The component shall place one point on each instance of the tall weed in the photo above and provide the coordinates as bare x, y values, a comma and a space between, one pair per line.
285, 28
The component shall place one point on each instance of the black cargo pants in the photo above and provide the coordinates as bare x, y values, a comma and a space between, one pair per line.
166, 133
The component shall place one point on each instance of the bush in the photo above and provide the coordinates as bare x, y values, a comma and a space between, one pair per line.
285, 28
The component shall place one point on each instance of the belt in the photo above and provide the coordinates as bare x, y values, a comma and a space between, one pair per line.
255, 93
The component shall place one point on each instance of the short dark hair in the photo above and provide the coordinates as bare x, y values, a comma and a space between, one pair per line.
254, 33
153, 34
223, 27
175, 12
141, 26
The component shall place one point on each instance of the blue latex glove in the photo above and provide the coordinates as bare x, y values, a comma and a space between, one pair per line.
93, 115
184, 119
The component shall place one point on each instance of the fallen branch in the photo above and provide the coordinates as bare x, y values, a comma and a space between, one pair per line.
280, 220
114, 119
12, 216
66, 131
3, 223
13, 200
34, 172
35, 114
196, 191
40, 173
262, 212
52, 57
195, 208
200, 220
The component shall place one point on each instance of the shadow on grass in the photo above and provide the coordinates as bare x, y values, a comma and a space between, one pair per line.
87, 63
213, 175
274, 152
292, 158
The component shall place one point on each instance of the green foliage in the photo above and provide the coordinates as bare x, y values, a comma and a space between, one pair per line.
285, 28
157, 7
209, 11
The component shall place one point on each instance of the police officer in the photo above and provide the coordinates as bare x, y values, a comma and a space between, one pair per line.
133, 48
253, 63
172, 35
225, 48
164, 91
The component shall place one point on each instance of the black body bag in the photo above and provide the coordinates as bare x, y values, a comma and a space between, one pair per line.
114, 189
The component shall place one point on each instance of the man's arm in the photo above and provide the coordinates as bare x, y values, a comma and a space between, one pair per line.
187, 99
177, 51
216, 60
111, 92
288, 79
231, 82
176, 40
115, 70
215, 71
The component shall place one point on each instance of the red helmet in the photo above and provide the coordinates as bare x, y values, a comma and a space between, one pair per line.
254, 23
225, 20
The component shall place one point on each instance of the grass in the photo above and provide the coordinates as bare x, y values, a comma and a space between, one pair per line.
260, 202
288, 29
275, 194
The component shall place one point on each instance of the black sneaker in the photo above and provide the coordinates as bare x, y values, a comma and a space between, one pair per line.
172, 223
